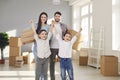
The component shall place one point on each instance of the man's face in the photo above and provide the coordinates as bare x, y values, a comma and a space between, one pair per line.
57, 17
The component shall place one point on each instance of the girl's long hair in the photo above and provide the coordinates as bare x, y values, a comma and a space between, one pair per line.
40, 23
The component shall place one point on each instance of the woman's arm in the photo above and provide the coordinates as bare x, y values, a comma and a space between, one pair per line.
33, 26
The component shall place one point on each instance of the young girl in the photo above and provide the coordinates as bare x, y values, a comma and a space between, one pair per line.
42, 24
65, 54
43, 52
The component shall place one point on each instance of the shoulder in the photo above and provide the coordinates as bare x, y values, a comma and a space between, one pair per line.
63, 24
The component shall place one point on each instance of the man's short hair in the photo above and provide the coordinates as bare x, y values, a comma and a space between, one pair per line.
57, 13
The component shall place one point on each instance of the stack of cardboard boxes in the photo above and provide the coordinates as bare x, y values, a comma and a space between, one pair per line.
15, 50
109, 65
27, 36
19, 61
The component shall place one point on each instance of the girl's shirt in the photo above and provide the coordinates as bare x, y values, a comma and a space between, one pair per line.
43, 48
46, 27
65, 48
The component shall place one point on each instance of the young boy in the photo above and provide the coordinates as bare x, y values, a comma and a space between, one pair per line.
43, 52
65, 54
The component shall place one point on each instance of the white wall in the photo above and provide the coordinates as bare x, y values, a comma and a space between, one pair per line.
102, 16
15, 14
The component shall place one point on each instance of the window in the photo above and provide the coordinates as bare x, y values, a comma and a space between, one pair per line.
86, 23
115, 24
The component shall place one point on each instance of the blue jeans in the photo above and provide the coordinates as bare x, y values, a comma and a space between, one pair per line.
66, 65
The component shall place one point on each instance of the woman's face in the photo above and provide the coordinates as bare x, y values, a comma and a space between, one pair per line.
43, 18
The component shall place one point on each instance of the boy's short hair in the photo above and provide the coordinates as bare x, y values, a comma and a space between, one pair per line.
42, 31
67, 33
57, 13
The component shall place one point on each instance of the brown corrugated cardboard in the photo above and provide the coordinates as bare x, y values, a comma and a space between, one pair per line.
26, 40
15, 51
27, 33
19, 58
83, 60
27, 36
12, 60
26, 57
19, 64
109, 65
15, 42
77, 44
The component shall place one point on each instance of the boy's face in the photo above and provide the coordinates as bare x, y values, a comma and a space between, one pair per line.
43, 35
67, 37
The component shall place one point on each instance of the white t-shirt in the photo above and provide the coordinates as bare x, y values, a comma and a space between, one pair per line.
54, 42
43, 48
65, 48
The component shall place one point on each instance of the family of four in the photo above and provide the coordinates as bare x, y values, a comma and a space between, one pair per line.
52, 40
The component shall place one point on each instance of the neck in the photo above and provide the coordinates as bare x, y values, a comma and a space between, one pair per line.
43, 24
57, 22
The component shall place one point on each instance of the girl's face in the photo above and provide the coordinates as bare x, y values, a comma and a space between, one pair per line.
43, 18
67, 37
43, 35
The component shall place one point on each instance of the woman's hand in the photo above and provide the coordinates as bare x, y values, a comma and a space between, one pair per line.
33, 27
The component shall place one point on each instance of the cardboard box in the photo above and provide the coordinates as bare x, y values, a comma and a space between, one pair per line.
84, 51
27, 33
15, 42
15, 51
19, 64
119, 67
26, 57
27, 36
19, 58
109, 65
83, 60
12, 60
77, 44
26, 40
